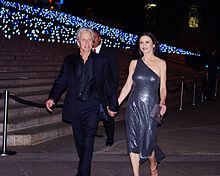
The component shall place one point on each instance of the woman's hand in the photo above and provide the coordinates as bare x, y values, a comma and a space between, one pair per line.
163, 109
111, 113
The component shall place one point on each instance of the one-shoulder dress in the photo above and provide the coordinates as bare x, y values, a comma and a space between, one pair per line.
141, 130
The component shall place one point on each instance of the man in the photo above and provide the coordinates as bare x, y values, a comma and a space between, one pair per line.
87, 82
103, 51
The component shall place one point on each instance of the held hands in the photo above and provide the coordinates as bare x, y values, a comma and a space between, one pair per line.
111, 113
49, 104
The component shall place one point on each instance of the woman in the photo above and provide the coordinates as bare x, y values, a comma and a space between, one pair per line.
147, 83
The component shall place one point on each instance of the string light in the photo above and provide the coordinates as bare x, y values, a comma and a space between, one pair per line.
41, 24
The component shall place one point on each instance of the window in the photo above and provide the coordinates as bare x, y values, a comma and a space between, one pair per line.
194, 16
150, 15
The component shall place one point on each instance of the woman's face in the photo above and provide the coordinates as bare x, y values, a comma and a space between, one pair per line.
146, 44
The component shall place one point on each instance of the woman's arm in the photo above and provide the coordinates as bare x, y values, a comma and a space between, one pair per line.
163, 89
129, 82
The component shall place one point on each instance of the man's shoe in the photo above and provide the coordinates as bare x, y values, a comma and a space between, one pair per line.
109, 142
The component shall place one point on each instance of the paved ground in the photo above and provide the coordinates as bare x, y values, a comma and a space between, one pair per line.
190, 138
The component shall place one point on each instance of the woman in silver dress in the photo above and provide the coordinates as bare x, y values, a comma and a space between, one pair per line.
146, 83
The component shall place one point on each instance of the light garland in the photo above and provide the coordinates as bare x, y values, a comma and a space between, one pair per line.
44, 25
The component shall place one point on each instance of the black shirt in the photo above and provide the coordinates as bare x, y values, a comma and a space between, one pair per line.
86, 79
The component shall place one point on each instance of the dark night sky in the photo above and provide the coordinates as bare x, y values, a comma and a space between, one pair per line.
171, 16
131, 13
120, 11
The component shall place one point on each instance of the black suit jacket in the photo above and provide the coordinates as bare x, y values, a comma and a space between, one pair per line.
67, 81
112, 60
112, 63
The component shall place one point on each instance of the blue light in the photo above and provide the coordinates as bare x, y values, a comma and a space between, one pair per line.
53, 26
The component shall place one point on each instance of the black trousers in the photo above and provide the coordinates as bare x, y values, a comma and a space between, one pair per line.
109, 128
84, 131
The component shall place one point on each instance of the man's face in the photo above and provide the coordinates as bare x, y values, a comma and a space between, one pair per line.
85, 41
97, 40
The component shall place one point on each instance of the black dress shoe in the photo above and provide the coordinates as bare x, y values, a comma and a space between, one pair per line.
109, 142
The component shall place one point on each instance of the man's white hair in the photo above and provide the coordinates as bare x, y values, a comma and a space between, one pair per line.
81, 29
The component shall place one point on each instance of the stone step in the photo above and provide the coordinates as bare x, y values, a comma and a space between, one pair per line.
38, 97
37, 134
27, 74
29, 63
40, 58
22, 109
30, 68
38, 100
25, 82
32, 103
28, 131
23, 121
29, 88
50, 127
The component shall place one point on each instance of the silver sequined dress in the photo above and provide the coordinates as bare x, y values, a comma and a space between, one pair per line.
140, 128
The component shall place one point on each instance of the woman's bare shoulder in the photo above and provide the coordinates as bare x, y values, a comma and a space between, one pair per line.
161, 62
132, 64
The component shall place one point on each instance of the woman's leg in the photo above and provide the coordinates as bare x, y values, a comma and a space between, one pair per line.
153, 165
135, 159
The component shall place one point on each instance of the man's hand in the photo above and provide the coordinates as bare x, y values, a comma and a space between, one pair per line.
49, 103
111, 113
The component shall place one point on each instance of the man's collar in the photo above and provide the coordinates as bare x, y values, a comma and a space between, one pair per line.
98, 48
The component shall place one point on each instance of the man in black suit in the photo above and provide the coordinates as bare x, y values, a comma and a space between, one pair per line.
88, 83
103, 51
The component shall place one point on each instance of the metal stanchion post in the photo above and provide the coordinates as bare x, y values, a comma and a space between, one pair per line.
181, 94
206, 86
194, 92
202, 97
4, 151
216, 85
203, 89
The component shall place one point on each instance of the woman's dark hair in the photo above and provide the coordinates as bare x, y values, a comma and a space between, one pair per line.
137, 54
